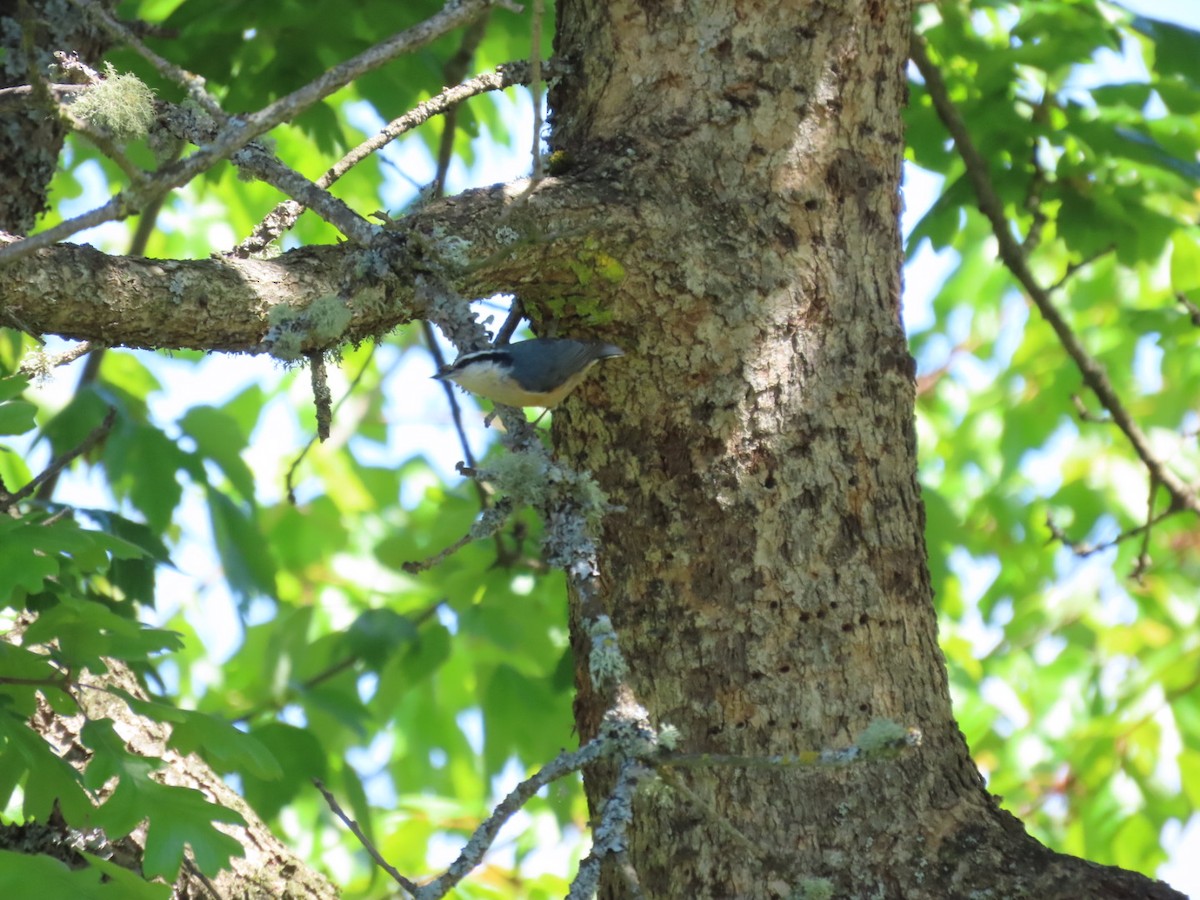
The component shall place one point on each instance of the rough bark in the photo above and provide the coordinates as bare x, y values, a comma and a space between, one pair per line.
767, 571
268, 868
31, 131
544, 244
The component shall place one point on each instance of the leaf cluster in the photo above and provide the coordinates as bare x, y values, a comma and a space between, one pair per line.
409, 697
1066, 621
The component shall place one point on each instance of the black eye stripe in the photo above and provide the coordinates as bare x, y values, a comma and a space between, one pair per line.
492, 356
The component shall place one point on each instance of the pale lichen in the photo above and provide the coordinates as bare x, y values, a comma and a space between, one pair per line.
120, 104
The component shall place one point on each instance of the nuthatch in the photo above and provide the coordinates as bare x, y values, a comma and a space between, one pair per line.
539, 372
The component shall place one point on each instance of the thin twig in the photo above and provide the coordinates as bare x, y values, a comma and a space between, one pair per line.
609, 835
516, 313
255, 160
64, 459
289, 479
843, 756
41, 363
705, 809
452, 72
1074, 267
1143, 560
423, 565
1033, 199
103, 141
453, 316
14, 97
87, 377
410, 886
19, 324
330, 671
1192, 309
96, 351
1085, 414
488, 525
322, 399
439, 361
1084, 550
197, 873
284, 216
1014, 259
535, 86
472, 854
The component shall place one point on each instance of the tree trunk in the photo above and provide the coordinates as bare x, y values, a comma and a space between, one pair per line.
31, 130
767, 570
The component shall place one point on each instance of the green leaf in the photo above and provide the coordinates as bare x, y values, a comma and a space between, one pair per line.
124, 373
49, 781
338, 700
133, 576
36, 548
183, 820
1185, 262
176, 817
126, 882
14, 472
16, 416
24, 565
247, 406
244, 552
377, 634
418, 660
99, 880
226, 747
82, 633
144, 464
302, 758
18, 664
12, 386
219, 437
305, 535
76, 421
1176, 48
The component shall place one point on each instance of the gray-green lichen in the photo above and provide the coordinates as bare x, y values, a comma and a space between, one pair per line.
320, 324
120, 104
531, 480
606, 665
814, 889
522, 476
881, 734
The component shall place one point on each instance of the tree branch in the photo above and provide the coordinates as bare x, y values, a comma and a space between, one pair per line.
410, 886
472, 854
284, 216
239, 131
80, 293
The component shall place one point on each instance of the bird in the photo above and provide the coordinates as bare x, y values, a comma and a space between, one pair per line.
537, 372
